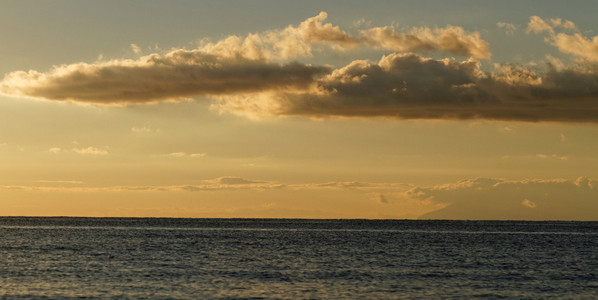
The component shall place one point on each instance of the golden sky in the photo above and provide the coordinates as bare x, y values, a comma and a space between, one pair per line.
467, 110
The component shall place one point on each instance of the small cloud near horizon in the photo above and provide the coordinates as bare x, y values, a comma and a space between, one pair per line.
479, 199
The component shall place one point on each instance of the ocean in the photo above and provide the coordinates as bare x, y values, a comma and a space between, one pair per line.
163, 258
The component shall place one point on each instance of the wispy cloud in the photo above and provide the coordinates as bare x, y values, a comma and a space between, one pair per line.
570, 43
481, 198
146, 128
177, 154
299, 41
577, 45
184, 154
528, 203
90, 151
219, 183
509, 28
233, 180
59, 181
537, 25
552, 156
361, 22
450, 39
80, 150
136, 49
54, 150
534, 199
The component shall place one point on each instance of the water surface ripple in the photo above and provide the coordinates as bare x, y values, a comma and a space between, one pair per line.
290, 259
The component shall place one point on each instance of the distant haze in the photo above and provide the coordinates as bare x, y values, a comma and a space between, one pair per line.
469, 110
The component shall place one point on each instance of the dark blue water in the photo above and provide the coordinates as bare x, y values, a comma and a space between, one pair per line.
289, 259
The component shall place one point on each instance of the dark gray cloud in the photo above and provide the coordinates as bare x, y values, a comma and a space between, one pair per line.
408, 86
175, 75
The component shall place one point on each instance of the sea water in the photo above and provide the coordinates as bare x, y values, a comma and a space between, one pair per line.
289, 259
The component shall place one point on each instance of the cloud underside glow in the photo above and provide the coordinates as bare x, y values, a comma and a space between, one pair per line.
258, 77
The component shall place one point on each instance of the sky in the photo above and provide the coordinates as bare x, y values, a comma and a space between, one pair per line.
299, 109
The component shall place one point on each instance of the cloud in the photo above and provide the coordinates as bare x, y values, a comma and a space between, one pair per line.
400, 85
528, 203
54, 150
538, 25
299, 41
80, 150
535, 199
361, 22
231, 180
146, 128
90, 151
342, 185
60, 181
143, 129
555, 63
314, 30
173, 76
553, 156
450, 39
177, 154
508, 27
220, 183
380, 198
135, 49
229, 183
288, 43
481, 198
408, 86
231, 66
253, 76
575, 44
183, 154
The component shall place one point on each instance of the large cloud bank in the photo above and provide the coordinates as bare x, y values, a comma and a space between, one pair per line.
258, 76
408, 86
